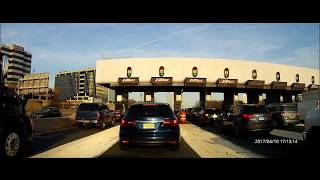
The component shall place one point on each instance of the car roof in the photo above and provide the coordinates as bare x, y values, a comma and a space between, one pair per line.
249, 105
142, 103
282, 104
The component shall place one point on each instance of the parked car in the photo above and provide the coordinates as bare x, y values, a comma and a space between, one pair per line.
16, 128
150, 123
247, 118
46, 112
211, 116
311, 133
94, 114
284, 114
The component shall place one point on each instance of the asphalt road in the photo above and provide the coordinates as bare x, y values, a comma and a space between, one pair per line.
136, 151
280, 144
49, 141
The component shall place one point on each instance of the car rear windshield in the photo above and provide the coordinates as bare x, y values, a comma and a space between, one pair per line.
254, 109
88, 107
286, 108
149, 111
211, 111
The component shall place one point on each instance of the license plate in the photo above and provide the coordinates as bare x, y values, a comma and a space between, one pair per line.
292, 116
148, 126
261, 118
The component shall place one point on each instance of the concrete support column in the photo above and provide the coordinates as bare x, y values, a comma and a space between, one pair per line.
148, 96
228, 98
253, 97
122, 101
272, 97
287, 98
177, 101
205, 98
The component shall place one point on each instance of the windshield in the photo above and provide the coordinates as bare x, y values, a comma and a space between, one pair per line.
150, 111
43, 110
254, 109
88, 107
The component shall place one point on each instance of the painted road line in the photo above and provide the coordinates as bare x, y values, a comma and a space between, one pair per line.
204, 143
91, 146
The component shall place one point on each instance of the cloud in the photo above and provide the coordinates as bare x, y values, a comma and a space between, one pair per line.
306, 56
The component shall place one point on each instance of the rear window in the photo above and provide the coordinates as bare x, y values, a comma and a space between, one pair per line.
150, 111
253, 109
286, 108
88, 107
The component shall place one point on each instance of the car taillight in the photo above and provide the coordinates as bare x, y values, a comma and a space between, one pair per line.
283, 114
98, 115
171, 122
247, 116
123, 123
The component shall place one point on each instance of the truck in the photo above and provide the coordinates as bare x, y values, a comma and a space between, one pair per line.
16, 128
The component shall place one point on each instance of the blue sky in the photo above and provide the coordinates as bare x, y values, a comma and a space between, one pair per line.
59, 47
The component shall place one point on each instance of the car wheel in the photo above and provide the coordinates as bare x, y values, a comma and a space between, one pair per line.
112, 123
175, 147
80, 125
102, 125
237, 132
266, 133
123, 147
11, 143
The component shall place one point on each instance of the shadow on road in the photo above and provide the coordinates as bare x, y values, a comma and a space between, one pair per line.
138, 151
258, 145
49, 141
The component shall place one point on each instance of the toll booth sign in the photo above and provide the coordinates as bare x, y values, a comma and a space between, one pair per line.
227, 82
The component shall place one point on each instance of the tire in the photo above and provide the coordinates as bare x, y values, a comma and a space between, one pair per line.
312, 138
221, 127
237, 131
103, 126
266, 133
80, 126
12, 143
175, 147
123, 147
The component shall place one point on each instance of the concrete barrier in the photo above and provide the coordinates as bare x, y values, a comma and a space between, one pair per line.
204, 143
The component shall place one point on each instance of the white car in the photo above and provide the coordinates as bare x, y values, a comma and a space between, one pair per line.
311, 133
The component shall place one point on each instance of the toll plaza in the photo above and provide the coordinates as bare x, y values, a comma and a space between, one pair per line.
263, 83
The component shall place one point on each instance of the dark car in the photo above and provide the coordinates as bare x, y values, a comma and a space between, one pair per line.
284, 114
16, 128
194, 114
188, 112
118, 115
248, 118
94, 114
210, 116
150, 123
46, 112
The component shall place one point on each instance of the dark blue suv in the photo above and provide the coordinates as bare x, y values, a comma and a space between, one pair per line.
150, 123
